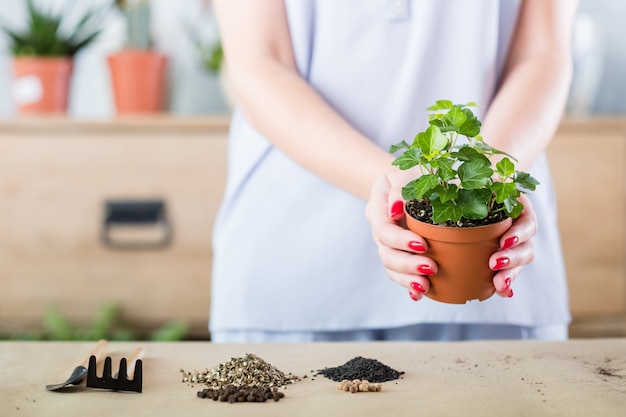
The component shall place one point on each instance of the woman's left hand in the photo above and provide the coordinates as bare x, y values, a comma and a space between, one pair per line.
516, 249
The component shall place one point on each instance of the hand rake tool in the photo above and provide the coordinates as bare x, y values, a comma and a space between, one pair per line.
128, 378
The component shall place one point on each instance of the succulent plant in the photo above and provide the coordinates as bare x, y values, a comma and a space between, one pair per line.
44, 36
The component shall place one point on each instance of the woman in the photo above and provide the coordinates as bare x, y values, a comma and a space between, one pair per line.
323, 87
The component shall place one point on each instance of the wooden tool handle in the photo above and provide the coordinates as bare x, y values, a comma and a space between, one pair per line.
132, 361
97, 351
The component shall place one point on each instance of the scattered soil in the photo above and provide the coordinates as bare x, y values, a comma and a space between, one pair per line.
608, 372
423, 211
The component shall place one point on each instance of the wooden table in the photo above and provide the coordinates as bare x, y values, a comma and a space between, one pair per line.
521, 378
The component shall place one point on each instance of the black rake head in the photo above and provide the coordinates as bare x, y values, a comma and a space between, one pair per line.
119, 383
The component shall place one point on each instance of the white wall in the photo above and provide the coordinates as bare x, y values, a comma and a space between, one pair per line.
192, 90
599, 84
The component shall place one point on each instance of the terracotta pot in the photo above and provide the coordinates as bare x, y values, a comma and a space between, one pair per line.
462, 256
138, 79
42, 84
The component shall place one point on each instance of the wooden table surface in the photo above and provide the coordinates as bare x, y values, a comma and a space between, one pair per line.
519, 378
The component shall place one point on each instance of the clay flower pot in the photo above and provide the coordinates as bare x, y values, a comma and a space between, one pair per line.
462, 255
138, 78
41, 84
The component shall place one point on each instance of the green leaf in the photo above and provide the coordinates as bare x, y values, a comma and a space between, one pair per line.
408, 191
408, 159
486, 149
424, 185
58, 327
504, 191
431, 142
444, 212
513, 207
104, 321
471, 126
505, 167
440, 105
435, 119
446, 194
467, 153
525, 181
474, 174
445, 168
473, 203
455, 117
171, 331
398, 146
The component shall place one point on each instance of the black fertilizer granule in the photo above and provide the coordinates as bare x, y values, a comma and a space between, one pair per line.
361, 368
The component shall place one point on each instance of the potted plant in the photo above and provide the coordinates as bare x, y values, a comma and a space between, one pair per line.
460, 203
137, 71
43, 58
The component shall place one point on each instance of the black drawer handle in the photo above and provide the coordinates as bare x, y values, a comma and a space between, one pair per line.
136, 224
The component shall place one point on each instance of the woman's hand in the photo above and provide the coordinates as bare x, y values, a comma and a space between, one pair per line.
516, 249
401, 251
405, 254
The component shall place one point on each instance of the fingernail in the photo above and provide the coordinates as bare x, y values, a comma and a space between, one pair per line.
510, 294
425, 269
417, 246
501, 263
507, 284
397, 208
413, 296
418, 287
510, 242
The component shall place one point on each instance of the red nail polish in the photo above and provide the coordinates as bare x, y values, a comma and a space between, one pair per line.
413, 296
397, 208
425, 269
510, 242
418, 287
501, 263
507, 284
510, 294
417, 246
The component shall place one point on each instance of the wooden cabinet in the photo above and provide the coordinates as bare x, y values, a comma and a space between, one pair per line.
55, 176
588, 162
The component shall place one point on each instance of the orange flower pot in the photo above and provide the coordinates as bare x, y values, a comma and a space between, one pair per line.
42, 84
138, 79
462, 255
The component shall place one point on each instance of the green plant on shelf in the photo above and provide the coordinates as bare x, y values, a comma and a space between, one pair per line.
108, 324
44, 34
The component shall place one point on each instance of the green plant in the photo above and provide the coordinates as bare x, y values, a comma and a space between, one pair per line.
108, 324
137, 14
44, 35
458, 183
211, 55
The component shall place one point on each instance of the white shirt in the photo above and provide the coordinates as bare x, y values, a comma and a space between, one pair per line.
294, 253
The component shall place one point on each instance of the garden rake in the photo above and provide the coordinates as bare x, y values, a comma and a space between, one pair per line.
128, 378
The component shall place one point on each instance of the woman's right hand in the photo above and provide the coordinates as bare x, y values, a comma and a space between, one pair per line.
401, 250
